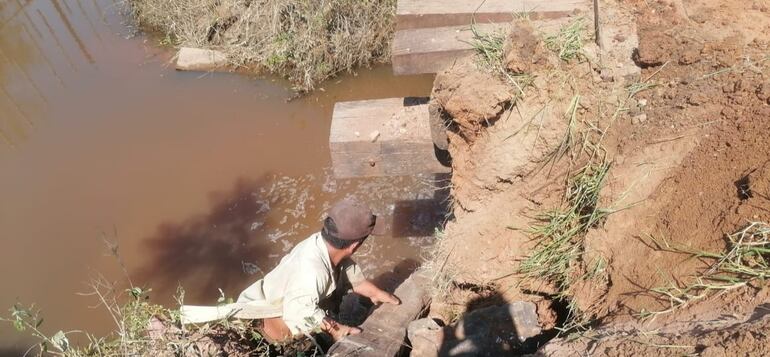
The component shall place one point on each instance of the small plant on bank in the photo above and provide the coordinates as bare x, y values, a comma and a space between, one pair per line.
746, 260
567, 43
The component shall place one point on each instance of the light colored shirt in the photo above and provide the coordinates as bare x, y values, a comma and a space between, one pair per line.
292, 290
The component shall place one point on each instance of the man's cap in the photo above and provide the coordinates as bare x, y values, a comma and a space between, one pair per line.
354, 220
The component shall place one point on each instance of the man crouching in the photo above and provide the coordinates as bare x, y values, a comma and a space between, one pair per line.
287, 298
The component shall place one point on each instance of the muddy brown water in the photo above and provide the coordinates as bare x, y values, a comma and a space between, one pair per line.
200, 180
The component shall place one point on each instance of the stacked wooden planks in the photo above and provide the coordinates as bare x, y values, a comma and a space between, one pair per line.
382, 137
432, 34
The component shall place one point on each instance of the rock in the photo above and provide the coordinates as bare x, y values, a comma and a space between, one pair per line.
639, 119
642, 103
425, 337
713, 351
198, 59
491, 331
472, 98
374, 135
763, 92
438, 127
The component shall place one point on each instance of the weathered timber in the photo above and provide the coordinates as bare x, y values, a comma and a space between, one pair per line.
413, 14
384, 332
431, 50
383, 137
198, 59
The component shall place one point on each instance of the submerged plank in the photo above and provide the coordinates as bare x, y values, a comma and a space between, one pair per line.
383, 137
413, 14
384, 332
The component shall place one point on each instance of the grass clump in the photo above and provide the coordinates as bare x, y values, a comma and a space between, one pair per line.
304, 41
561, 233
489, 47
746, 260
562, 230
568, 41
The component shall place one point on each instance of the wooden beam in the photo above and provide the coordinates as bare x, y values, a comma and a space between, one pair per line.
431, 50
382, 137
413, 14
384, 332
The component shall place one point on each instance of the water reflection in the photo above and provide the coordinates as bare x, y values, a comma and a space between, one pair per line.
65, 20
250, 227
211, 251
15, 56
34, 38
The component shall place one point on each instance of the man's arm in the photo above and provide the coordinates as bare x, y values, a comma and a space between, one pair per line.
301, 313
277, 330
368, 289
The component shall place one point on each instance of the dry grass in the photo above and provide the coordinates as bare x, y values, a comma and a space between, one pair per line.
304, 41
746, 260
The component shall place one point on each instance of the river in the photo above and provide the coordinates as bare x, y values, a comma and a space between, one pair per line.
199, 180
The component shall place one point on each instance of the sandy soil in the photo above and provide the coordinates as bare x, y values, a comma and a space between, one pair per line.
685, 153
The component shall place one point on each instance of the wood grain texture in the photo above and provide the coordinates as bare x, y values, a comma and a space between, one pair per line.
412, 14
383, 137
384, 332
431, 50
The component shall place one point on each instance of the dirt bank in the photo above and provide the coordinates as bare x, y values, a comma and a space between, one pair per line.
687, 154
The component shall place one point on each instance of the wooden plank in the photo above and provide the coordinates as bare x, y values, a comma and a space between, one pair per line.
383, 137
413, 14
384, 332
431, 50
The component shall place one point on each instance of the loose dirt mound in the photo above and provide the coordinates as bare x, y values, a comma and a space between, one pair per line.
689, 165
702, 144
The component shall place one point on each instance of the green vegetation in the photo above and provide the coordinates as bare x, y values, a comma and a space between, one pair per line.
142, 328
304, 41
746, 260
562, 230
568, 41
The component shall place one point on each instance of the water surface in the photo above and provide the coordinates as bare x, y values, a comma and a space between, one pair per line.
198, 180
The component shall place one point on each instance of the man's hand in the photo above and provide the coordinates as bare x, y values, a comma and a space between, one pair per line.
338, 330
377, 295
386, 297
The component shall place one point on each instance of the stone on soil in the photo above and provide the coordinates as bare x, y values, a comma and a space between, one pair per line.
198, 59
425, 337
491, 331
